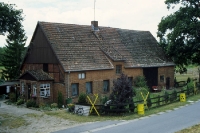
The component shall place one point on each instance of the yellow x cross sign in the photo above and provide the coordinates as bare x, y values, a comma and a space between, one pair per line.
93, 103
145, 99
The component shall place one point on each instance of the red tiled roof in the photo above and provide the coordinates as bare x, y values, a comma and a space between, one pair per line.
78, 47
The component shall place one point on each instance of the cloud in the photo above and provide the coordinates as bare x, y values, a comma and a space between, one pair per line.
126, 14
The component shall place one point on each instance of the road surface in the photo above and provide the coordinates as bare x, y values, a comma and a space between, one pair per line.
163, 122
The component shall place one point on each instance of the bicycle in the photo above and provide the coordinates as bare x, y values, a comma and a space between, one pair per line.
79, 111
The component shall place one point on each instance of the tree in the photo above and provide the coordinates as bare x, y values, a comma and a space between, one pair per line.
122, 90
13, 56
10, 17
2, 51
10, 22
179, 33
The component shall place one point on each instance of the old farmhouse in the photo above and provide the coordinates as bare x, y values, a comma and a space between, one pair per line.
87, 58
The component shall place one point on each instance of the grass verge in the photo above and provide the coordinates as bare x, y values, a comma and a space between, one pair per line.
11, 121
81, 119
193, 129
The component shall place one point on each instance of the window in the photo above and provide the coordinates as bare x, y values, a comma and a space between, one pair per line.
106, 86
34, 90
8, 89
45, 67
74, 89
118, 69
22, 88
81, 75
44, 90
88, 87
162, 78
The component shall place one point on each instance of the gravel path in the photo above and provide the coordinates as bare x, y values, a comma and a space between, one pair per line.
36, 121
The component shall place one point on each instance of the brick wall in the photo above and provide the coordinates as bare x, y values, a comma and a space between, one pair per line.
96, 77
166, 72
59, 87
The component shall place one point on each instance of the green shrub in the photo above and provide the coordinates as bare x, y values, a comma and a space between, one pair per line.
12, 97
41, 105
82, 99
139, 91
122, 90
140, 81
149, 102
103, 99
60, 99
190, 87
188, 79
68, 100
173, 96
30, 103
158, 100
71, 107
20, 101
54, 105
166, 97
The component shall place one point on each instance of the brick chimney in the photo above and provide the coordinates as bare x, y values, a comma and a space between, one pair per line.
94, 25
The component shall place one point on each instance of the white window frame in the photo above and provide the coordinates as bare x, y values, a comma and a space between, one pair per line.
44, 90
81, 75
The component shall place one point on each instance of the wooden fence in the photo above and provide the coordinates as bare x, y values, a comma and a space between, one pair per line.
152, 102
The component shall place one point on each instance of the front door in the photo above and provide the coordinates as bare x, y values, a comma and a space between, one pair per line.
29, 91
151, 76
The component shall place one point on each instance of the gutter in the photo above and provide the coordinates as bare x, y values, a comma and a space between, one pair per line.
88, 70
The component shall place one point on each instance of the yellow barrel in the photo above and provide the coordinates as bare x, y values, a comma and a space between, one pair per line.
182, 97
140, 108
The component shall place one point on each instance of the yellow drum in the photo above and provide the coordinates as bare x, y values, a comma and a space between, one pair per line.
140, 108
182, 97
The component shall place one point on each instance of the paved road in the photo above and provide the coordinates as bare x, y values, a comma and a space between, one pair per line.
164, 122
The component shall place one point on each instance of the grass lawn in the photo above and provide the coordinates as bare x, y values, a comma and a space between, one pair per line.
193, 129
192, 72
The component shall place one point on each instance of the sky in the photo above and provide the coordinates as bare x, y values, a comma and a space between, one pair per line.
125, 14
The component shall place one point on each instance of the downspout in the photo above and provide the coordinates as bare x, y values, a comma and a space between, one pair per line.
68, 76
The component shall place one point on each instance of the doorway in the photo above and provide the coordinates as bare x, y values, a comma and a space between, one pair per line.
29, 91
151, 76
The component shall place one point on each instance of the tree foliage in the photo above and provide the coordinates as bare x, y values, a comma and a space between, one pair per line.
122, 90
10, 18
2, 51
11, 22
179, 32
